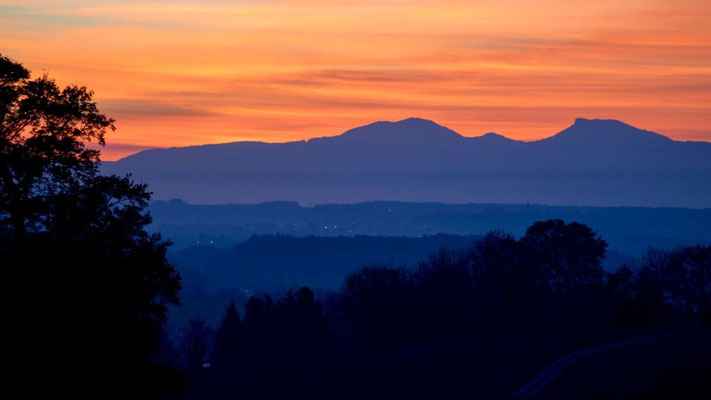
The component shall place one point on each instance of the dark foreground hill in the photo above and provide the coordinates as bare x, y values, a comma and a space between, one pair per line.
593, 162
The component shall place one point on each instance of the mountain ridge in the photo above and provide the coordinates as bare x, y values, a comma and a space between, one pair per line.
592, 162
414, 122
607, 129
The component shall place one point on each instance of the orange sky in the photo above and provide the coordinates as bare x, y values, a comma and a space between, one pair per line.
191, 72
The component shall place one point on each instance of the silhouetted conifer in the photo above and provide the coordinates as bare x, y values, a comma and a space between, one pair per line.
194, 344
229, 338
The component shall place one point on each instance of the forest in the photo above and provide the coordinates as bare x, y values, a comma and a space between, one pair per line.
475, 309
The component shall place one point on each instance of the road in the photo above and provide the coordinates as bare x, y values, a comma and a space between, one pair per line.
555, 368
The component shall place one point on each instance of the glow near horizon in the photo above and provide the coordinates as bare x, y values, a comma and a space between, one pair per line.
182, 73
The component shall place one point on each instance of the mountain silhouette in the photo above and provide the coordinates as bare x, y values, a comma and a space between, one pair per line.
411, 129
592, 162
585, 132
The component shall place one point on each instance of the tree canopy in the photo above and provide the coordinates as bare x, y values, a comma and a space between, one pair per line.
74, 244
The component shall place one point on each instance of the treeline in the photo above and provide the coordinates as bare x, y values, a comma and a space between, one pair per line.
275, 262
549, 283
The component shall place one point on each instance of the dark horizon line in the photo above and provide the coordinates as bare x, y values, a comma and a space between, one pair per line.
440, 203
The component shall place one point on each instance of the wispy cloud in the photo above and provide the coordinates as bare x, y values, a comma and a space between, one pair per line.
191, 72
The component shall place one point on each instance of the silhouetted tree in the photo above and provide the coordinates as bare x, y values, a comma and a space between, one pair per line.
686, 274
300, 319
229, 338
194, 343
639, 294
74, 244
620, 283
377, 305
507, 289
259, 332
569, 255
649, 308
444, 296
42, 151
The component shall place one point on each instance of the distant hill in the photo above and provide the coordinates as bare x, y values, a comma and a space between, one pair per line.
274, 262
593, 162
629, 230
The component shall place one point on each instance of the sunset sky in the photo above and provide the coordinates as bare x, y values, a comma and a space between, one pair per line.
177, 73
